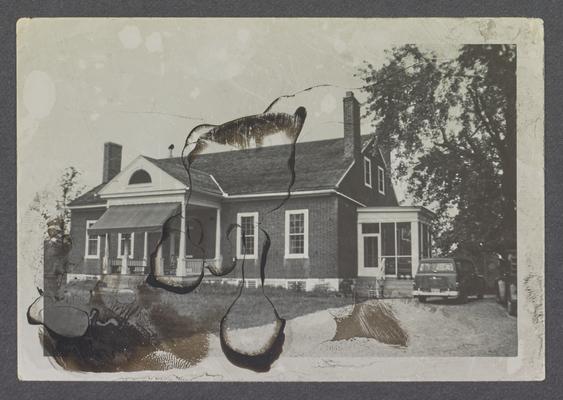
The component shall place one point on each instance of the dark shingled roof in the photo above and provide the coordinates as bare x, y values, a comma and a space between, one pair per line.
318, 165
200, 180
90, 198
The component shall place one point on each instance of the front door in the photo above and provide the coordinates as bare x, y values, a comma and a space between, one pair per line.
368, 254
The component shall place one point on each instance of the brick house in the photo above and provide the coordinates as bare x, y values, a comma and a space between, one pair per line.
342, 218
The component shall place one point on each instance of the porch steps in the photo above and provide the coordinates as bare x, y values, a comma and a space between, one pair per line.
393, 288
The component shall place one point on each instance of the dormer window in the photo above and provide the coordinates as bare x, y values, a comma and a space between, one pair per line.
381, 180
140, 176
367, 172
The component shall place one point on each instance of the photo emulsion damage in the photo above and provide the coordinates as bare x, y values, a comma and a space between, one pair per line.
255, 206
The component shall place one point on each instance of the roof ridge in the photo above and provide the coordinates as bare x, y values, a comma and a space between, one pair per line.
366, 136
157, 160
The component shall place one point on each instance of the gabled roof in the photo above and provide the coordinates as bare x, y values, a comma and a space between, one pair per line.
201, 181
318, 165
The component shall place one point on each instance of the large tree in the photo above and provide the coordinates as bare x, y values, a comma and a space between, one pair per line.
451, 122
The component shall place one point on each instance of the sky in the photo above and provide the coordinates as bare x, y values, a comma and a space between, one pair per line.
144, 83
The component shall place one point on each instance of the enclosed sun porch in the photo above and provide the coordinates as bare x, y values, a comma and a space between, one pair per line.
393, 238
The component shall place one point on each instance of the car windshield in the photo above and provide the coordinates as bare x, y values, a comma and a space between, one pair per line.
446, 266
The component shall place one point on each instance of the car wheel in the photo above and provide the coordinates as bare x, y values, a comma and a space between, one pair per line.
500, 300
481, 290
462, 298
421, 299
510, 303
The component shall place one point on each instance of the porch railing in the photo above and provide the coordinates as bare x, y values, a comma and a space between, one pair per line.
140, 266
135, 266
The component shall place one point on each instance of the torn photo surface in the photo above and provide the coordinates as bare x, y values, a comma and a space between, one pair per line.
280, 199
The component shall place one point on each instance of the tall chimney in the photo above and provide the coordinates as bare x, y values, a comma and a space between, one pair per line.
171, 150
352, 139
112, 161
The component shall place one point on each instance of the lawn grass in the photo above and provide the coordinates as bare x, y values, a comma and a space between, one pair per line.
201, 310
209, 303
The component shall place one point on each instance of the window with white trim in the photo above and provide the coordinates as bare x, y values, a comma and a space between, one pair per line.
247, 246
380, 180
297, 234
367, 172
92, 242
121, 239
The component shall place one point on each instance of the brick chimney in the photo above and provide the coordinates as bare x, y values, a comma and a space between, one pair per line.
112, 161
352, 139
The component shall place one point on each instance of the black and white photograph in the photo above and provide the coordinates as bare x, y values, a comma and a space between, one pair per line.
280, 199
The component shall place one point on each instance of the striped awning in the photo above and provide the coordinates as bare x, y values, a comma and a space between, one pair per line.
134, 218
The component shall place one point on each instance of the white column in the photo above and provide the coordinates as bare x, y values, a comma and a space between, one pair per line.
105, 260
181, 263
414, 246
172, 245
360, 240
159, 262
218, 257
125, 259
146, 249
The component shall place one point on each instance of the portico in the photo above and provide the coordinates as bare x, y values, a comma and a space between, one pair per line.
150, 213
132, 234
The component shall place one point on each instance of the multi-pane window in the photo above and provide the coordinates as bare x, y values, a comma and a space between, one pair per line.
394, 249
92, 242
367, 172
425, 240
247, 238
296, 234
123, 239
381, 180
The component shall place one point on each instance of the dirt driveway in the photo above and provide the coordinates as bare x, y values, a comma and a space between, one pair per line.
437, 328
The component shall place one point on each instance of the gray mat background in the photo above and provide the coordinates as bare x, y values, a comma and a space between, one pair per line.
552, 14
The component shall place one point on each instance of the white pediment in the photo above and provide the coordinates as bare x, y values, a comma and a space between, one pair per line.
160, 181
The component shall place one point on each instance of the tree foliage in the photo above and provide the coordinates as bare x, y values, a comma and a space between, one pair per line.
452, 126
53, 207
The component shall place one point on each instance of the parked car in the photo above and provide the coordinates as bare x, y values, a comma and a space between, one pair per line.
448, 278
506, 286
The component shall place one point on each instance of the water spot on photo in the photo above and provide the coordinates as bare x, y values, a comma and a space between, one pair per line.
194, 94
39, 94
328, 104
339, 45
130, 37
371, 320
153, 42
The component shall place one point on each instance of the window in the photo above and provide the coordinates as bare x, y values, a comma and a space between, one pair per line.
247, 223
140, 176
425, 241
92, 242
381, 180
367, 172
436, 267
297, 234
122, 238
388, 247
370, 228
